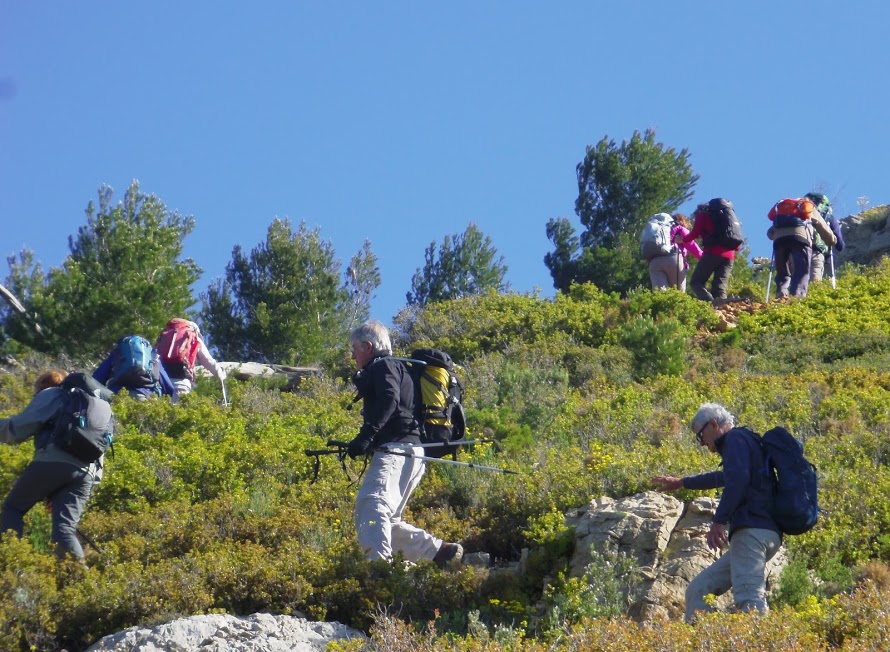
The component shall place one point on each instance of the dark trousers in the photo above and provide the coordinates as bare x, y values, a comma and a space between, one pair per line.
792, 260
67, 486
711, 265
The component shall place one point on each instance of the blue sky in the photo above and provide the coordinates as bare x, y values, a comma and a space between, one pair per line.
401, 122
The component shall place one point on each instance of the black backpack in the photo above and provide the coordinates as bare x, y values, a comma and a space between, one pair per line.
437, 400
727, 228
84, 424
795, 483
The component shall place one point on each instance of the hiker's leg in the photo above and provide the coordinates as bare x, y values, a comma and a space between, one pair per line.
817, 267
68, 505
681, 279
375, 504
801, 255
716, 579
720, 282
702, 273
782, 257
658, 273
408, 539
751, 548
36, 482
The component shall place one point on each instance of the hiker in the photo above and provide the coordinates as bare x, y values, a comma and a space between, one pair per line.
668, 268
742, 519
822, 244
682, 227
712, 223
53, 474
181, 347
135, 366
388, 412
792, 235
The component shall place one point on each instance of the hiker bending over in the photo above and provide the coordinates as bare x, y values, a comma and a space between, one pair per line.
135, 366
387, 391
181, 347
742, 519
53, 474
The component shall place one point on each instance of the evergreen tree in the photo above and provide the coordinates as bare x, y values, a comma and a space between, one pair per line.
284, 302
619, 188
124, 275
466, 264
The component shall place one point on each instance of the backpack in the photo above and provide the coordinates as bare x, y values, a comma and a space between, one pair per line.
655, 240
795, 484
437, 399
178, 347
791, 213
727, 227
132, 365
84, 424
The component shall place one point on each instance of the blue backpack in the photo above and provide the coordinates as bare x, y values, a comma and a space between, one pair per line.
795, 501
132, 365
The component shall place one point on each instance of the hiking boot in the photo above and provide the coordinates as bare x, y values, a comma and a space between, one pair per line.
448, 553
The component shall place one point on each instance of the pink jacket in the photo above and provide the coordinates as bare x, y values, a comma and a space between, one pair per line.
690, 247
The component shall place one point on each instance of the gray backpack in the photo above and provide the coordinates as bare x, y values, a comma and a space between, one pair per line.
655, 240
84, 424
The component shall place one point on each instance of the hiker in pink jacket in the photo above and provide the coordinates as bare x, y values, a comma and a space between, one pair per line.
683, 226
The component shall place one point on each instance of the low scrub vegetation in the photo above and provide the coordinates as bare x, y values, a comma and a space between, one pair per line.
207, 508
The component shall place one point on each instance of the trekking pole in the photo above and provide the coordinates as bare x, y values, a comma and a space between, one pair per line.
225, 398
831, 265
89, 541
769, 279
339, 449
441, 460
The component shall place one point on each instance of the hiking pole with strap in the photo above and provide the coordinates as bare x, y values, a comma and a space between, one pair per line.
831, 266
338, 449
441, 460
769, 279
225, 398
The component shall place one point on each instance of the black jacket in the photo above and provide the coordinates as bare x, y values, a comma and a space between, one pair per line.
387, 391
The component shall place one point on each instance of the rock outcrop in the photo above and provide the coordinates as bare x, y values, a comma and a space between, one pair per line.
866, 237
224, 633
664, 535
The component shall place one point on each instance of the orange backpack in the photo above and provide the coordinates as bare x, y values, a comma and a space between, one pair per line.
791, 212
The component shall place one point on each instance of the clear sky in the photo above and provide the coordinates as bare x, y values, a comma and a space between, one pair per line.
401, 122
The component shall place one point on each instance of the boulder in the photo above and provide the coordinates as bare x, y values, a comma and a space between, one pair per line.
866, 237
225, 633
667, 539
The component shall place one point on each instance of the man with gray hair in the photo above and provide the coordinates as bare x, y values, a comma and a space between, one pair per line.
742, 518
389, 424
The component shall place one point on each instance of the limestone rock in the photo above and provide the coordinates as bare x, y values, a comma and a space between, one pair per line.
666, 537
225, 633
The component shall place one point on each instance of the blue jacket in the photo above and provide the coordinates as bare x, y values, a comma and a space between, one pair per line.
747, 491
836, 229
103, 373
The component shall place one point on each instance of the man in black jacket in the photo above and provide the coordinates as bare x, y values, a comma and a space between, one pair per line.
389, 424
742, 518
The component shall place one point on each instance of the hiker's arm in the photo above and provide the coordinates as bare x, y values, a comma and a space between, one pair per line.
711, 480
737, 478
836, 228
31, 420
103, 371
208, 362
386, 392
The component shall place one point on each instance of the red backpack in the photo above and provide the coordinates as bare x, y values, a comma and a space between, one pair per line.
178, 347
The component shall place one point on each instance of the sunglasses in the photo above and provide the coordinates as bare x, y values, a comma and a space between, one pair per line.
700, 434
